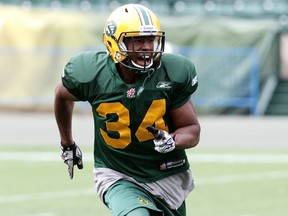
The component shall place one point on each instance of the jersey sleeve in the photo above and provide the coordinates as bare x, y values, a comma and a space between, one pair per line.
70, 83
79, 74
185, 81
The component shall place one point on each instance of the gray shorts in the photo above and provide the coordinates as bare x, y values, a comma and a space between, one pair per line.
172, 190
124, 196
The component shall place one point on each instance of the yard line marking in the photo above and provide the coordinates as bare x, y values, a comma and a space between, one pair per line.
238, 158
46, 195
35, 156
40, 214
245, 177
193, 157
277, 174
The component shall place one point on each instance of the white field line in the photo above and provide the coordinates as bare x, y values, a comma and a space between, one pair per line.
46, 195
245, 177
36, 156
193, 157
40, 214
225, 179
238, 158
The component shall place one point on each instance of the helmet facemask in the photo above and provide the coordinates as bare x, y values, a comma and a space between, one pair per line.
149, 58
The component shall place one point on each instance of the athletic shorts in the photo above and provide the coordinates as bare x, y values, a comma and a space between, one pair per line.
124, 196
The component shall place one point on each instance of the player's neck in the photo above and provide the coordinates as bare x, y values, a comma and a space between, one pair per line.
128, 76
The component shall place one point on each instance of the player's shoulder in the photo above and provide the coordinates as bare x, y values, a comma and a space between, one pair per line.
84, 66
88, 58
175, 58
178, 66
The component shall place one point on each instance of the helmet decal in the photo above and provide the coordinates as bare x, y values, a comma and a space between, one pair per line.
110, 28
144, 15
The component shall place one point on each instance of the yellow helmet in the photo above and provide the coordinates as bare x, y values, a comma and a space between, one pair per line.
129, 21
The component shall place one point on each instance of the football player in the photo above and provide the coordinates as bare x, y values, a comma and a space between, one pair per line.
144, 117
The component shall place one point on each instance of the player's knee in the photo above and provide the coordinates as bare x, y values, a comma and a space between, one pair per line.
139, 212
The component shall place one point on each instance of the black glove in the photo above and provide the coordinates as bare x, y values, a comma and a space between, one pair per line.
71, 155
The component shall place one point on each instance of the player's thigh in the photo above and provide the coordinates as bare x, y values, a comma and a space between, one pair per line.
181, 211
124, 197
139, 212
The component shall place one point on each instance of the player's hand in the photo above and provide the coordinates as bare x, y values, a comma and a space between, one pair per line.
163, 141
71, 156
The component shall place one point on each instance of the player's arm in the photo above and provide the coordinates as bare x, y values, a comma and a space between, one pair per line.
187, 133
63, 110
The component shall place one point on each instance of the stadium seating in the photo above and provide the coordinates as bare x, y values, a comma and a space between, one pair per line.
248, 8
279, 102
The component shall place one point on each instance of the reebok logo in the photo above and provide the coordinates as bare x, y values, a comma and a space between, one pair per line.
163, 84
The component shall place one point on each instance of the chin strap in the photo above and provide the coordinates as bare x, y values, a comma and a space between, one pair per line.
136, 69
141, 67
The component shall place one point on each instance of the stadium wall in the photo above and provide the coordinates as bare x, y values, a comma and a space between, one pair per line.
233, 56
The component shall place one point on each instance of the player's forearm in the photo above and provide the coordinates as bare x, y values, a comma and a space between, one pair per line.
63, 110
187, 137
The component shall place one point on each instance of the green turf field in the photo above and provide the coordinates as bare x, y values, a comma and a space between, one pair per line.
229, 182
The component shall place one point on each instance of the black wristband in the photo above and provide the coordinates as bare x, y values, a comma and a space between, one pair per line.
69, 147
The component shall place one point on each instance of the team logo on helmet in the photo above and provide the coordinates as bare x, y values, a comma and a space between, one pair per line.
110, 28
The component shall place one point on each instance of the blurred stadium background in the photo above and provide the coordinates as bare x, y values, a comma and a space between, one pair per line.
239, 48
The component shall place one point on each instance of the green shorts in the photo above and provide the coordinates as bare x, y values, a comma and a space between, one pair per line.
124, 196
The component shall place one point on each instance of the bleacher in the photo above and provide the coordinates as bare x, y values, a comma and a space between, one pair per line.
244, 8
278, 104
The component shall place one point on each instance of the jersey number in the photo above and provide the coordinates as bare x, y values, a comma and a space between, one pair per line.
154, 115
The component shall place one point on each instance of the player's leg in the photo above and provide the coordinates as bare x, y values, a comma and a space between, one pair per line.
124, 197
181, 211
139, 212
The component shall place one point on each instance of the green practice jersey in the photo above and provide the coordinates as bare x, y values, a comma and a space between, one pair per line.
122, 112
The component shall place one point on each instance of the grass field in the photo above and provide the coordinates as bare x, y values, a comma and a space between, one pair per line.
229, 182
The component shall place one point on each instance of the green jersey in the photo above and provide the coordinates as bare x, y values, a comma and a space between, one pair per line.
121, 112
